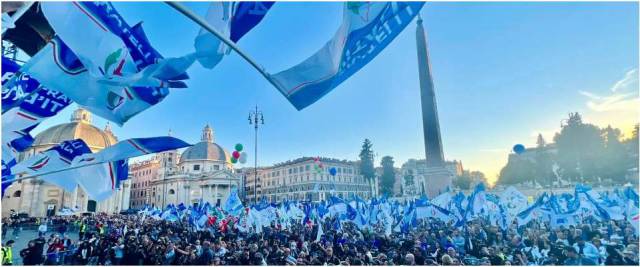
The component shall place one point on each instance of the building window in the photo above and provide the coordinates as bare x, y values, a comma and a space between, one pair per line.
307, 168
216, 167
17, 193
172, 192
196, 167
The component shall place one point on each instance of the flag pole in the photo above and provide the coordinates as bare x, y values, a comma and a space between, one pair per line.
198, 20
51, 172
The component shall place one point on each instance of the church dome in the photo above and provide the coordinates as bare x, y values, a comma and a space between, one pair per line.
79, 128
206, 149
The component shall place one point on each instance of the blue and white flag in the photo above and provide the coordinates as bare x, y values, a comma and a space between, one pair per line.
477, 202
337, 207
320, 232
33, 109
444, 200
632, 215
133, 147
231, 19
367, 28
514, 201
14, 142
233, 205
59, 157
630, 194
99, 181
107, 46
247, 15
557, 220
27, 104
429, 210
587, 204
103, 180
7, 177
98, 64
496, 211
535, 211
15, 85
56, 67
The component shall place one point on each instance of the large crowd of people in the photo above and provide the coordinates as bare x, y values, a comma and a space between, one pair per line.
137, 240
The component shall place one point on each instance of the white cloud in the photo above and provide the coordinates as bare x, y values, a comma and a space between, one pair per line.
612, 102
630, 78
623, 97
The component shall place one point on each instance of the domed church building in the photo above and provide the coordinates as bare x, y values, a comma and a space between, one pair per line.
203, 171
38, 198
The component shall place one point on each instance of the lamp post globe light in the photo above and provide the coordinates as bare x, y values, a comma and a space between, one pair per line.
255, 118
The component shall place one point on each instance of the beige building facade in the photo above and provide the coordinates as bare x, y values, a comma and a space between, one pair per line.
38, 198
201, 172
298, 180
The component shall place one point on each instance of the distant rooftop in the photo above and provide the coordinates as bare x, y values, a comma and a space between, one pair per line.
322, 159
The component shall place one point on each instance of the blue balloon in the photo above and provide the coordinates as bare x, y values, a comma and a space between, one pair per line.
333, 171
519, 149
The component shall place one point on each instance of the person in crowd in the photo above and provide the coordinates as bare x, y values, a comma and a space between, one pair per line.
7, 253
574, 258
143, 240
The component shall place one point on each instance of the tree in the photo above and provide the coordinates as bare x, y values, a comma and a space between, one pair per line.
631, 145
615, 158
580, 146
543, 163
478, 176
541, 142
517, 171
366, 163
408, 178
388, 175
463, 181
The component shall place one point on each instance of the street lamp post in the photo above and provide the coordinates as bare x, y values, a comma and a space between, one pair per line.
255, 118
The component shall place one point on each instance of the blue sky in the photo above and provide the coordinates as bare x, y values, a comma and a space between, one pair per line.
503, 72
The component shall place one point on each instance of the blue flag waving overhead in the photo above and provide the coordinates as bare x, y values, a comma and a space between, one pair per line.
56, 158
7, 177
234, 204
24, 105
246, 16
102, 180
367, 28
15, 89
105, 44
101, 63
14, 142
231, 19
133, 148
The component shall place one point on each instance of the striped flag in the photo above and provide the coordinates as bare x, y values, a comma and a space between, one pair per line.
102, 180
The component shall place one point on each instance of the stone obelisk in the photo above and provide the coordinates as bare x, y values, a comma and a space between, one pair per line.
437, 177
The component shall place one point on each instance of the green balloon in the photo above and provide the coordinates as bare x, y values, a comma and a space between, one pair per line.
234, 160
239, 147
